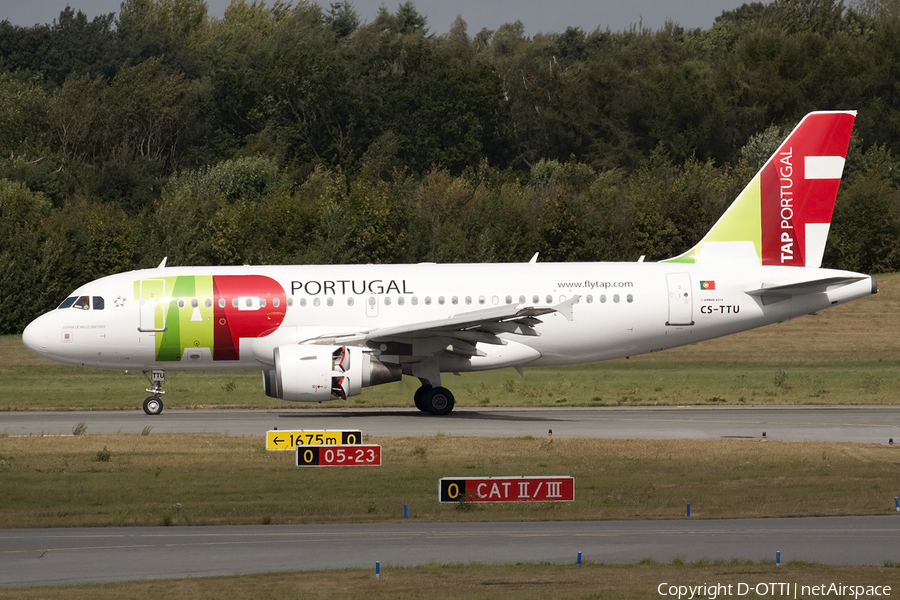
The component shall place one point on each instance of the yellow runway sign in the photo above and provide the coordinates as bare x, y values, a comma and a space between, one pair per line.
288, 440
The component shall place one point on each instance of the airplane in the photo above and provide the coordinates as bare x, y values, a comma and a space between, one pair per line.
325, 332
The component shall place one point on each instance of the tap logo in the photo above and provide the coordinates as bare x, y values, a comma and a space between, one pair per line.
212, 312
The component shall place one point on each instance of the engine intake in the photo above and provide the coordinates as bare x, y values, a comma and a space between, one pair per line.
311, 373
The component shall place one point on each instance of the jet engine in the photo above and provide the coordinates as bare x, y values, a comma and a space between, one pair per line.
313, 373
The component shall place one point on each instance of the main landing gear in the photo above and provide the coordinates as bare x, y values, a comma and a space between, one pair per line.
434, 400
154, 405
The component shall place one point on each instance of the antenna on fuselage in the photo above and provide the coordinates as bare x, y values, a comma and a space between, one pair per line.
163, 263
534, 258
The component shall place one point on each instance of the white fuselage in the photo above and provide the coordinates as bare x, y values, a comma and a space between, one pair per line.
623, 309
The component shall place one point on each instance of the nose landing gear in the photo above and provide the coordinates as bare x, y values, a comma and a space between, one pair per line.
154, 405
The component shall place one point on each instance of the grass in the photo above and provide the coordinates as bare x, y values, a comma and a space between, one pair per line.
102, 480
610, 582
844, 355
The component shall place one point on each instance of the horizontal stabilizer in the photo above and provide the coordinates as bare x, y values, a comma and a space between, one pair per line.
817, 286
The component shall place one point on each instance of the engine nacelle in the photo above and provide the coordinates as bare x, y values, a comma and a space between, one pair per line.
312, 373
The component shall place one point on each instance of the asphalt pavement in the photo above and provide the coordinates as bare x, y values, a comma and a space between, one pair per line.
865, 424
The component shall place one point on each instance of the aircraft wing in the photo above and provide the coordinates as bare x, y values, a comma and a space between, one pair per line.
776, 293
469, 328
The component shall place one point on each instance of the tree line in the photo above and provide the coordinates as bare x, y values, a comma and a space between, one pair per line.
295, 133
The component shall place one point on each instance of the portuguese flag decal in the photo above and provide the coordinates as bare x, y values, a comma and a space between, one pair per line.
707, 285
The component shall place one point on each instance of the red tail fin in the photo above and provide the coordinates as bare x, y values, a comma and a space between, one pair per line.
783, 215
799, 185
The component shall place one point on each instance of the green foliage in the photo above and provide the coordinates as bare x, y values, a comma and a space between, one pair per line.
22, 214
249, 178
85, 240
761, 146
103, 455
342, 18
866, 221
23, 110
295, 133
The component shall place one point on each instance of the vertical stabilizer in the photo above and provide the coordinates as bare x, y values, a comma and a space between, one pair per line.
785, 211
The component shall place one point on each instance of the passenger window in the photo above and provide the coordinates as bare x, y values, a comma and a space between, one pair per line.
468, 299
207, 303
290, 301
521, 299
454, 300
350, 301
615, 297
590, 298
194, 303
495, 300
316, 302
302, 301
629, 298
221, 302
180, 303
329, 302
440, 300
234, 302
509, 299
276, 302
83, 302
535, 299
549, 299
602, 298
262, 303
401, 301
98, 303
387, 300
427, 299
68, 302
415, 300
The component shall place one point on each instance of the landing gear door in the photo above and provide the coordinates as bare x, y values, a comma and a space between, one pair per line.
153, 310
681, 304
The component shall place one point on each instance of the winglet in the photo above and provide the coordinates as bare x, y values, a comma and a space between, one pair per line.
785, 211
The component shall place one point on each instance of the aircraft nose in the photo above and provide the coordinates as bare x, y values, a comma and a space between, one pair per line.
35, 337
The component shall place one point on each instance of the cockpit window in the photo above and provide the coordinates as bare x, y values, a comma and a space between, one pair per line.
83, 302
